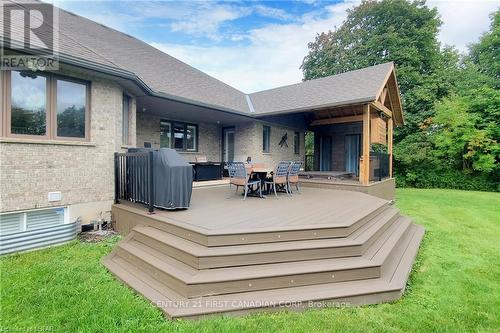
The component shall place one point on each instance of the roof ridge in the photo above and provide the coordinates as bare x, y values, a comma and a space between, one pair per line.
322, 78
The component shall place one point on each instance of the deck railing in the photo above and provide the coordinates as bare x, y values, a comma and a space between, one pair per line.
379, 163
134, 178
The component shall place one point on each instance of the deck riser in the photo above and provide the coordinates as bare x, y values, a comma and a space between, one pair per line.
155, 273
295, 235
261, 258
204, 289
210, 289
192, 290
163, 297
128, 220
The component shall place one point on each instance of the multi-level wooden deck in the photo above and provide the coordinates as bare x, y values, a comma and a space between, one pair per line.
229, 255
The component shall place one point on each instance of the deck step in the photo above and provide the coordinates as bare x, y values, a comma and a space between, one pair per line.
385, 288
191, 282
203, 257
296, 231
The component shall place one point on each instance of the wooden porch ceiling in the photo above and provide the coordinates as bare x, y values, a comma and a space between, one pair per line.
344, 114
387, 102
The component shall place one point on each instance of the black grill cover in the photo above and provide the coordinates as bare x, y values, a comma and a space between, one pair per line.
173, 178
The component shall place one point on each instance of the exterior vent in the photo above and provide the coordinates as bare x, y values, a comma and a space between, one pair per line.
55, 196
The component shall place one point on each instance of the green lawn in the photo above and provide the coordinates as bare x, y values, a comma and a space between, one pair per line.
455, 285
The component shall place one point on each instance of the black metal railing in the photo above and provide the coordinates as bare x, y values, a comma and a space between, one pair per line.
379, 163
309, 163
134, 177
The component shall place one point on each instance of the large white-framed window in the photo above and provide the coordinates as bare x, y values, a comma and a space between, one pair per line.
32, 219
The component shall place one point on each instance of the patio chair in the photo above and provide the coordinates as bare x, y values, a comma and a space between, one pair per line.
238, 176
279, 177
293, 176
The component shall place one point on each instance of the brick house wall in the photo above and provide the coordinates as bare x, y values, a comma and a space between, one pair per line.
276, 152
248, 140
209, 136
82, 171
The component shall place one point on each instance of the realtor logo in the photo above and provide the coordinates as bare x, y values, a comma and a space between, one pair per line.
29, 36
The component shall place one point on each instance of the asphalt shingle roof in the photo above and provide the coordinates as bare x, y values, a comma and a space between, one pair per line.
81, 38
351, 87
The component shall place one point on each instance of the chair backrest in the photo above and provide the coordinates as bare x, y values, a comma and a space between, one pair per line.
237, 170
295, 168
282, 169
201, 158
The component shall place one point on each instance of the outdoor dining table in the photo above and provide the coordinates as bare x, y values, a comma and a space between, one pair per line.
261, 174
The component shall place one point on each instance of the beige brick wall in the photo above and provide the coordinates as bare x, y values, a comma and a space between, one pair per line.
83, 173
249, 143
209, 136
248, 140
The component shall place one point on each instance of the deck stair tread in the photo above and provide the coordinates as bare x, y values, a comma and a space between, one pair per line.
359, 237
193, 282
387, 287
191, 275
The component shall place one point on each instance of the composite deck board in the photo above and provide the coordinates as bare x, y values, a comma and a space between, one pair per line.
212, 210
383, 289
200, 256
226, 255
196, 249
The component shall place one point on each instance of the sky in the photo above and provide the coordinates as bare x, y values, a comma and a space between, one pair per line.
256, 45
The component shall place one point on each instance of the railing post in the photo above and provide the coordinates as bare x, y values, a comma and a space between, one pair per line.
365, 175
117, 178
389, 143
151, 183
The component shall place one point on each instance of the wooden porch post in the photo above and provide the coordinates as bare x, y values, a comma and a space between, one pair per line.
366, 145
389, 144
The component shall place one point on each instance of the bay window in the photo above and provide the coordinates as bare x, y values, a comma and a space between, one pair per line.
45, 106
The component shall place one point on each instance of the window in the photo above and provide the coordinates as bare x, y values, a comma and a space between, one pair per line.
191, 136
71, 108
179, 136
31, 220
28, 104
46, 106
165, 134
296, 142
266, 138
125, 119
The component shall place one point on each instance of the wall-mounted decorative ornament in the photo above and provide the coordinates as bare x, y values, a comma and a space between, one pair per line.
284, 140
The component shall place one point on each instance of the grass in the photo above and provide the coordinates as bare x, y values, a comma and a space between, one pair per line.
455, 285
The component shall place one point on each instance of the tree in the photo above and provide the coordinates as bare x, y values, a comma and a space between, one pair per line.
450, 138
